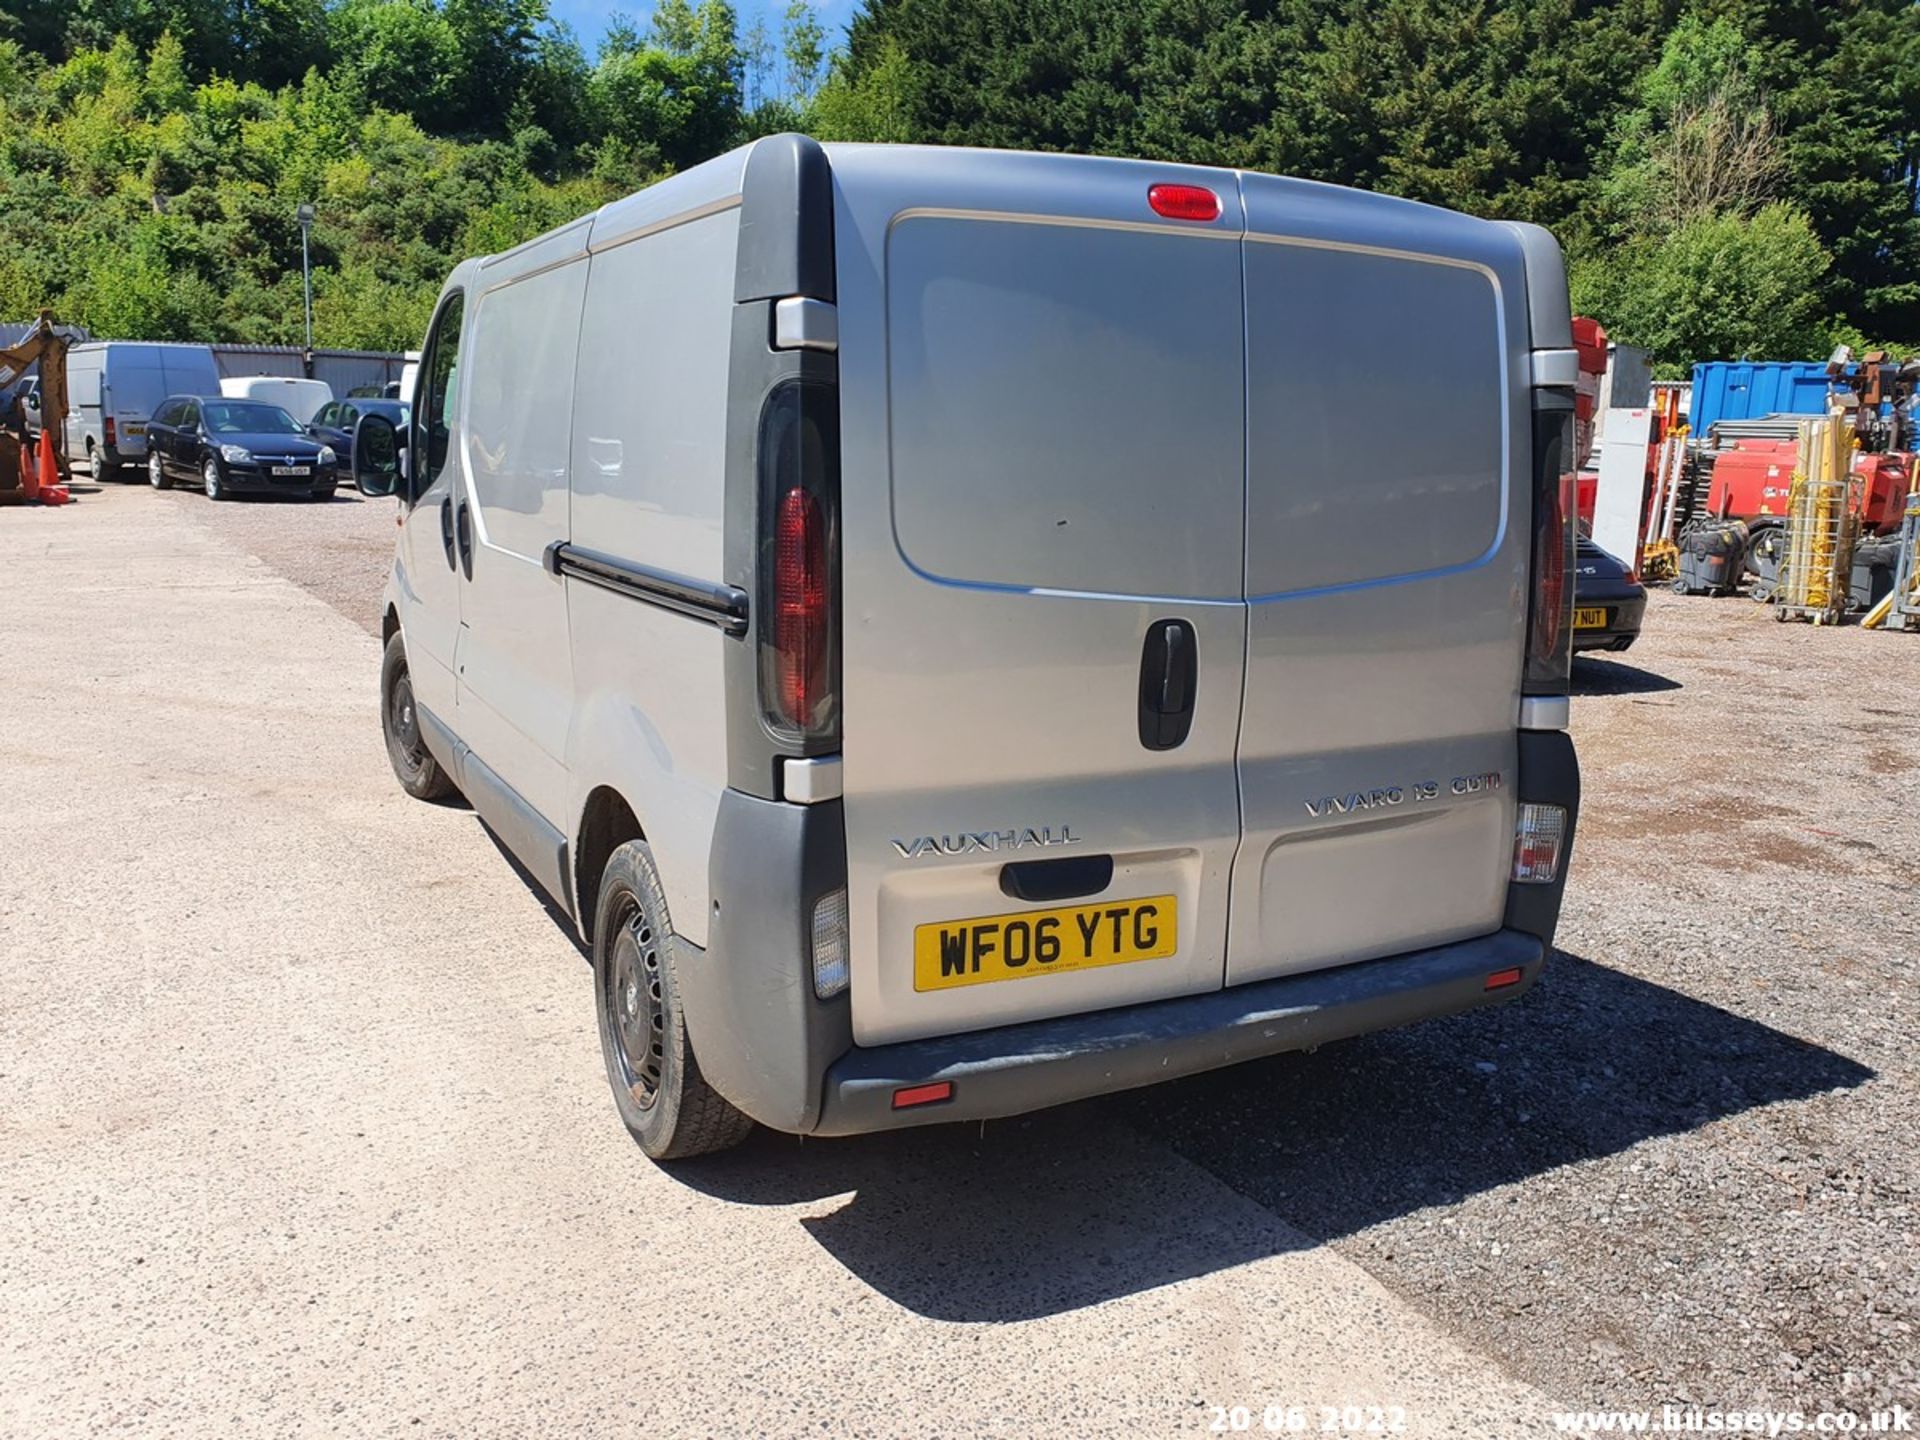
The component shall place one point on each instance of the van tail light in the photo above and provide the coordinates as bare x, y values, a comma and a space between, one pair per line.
1539, 832
800, 617
1550, 613
109, 431
798, 629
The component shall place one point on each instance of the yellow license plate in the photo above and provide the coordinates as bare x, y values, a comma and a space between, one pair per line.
1594, 618
1043, 942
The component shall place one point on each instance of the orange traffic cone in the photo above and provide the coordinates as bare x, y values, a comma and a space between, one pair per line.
52, 492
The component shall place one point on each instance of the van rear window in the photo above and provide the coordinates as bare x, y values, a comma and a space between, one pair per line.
1376, 416
1066, 405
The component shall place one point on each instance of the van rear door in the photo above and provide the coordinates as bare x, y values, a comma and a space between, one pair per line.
1387, 539
1042, 497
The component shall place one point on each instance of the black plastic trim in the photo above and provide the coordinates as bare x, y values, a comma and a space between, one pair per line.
785, 249
1548, 774
724, 606
537, 845
1017, 1068
1067, 879
786, 222
762, 1036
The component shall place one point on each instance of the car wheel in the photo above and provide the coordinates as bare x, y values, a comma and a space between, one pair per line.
156, 472
97, 463
664, 1100
413, 764
210, 480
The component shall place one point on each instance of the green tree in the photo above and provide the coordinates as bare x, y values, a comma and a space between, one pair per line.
1724, 286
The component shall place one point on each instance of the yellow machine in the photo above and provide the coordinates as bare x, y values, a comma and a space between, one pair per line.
1822, 526
24, 475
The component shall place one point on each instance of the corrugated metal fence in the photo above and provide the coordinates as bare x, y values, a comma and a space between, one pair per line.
344, 370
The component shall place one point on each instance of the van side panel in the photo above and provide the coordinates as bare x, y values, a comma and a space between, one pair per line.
649, 487
1386, 578
511, 659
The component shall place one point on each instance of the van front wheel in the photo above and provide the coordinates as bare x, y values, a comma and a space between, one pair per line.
413, 764
665, 1101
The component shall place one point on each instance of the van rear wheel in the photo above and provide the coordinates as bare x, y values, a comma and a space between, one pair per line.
665, 1101
413, 764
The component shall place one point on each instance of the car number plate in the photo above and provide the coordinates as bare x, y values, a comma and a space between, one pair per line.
293, 469
986, 948
135, 427
1592, 618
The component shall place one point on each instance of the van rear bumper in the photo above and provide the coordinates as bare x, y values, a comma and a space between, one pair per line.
1017, 1068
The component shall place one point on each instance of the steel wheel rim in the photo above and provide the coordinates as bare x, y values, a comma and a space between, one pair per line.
634, 1008
403, 719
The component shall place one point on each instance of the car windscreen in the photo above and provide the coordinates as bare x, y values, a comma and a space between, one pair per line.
251, 418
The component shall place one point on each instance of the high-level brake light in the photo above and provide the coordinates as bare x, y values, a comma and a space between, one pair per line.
1184, 202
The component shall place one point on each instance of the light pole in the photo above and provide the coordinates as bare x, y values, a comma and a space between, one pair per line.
305, 216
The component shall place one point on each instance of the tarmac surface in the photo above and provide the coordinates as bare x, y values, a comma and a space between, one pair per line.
306, 1130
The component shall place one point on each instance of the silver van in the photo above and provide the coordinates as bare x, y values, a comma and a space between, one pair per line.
956, 635
113, 388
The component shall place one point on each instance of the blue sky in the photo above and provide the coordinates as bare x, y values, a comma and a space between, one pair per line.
589, 17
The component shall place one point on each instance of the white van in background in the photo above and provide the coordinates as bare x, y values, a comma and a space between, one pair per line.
923, 615
113, 388
300, 398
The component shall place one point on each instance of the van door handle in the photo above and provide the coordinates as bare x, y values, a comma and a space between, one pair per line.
446, 529
463, 534
1169, 674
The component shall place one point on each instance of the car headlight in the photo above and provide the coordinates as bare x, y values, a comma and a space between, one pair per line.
235, 454
327, 457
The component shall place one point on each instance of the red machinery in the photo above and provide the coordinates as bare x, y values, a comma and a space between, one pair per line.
1751, 481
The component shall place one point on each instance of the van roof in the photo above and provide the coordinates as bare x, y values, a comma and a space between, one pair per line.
718, 181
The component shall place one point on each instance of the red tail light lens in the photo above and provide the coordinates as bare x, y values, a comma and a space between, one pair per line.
109, 431
1550, 615
801, 589
798, 632
1184, 202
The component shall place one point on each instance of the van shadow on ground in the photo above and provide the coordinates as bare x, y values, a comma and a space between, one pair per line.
1042, 1214
1594, 676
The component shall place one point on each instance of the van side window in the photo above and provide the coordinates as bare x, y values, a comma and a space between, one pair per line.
438, 384
519, 415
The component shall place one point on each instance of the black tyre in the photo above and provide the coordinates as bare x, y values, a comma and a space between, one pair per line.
666, 1103
212, 481
156, 472
103, 469
324, 493
414, 767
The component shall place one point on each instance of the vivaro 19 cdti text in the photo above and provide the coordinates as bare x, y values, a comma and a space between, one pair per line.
945, 628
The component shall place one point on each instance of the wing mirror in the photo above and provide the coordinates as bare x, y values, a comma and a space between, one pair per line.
376, 456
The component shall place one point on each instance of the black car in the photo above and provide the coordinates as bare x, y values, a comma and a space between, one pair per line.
1608, 602
237, 446
334, 424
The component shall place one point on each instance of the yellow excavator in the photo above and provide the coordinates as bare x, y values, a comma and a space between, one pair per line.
24, 474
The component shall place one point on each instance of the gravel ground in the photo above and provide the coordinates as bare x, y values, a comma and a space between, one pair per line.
1683, 1169
339, 550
